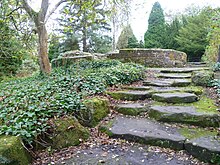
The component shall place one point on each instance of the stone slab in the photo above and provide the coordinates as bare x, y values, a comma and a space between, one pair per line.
158, 83
195, 90
175, 97
183, 114
181, 82
205, 148
138, 88
174, 76
147, 132
130, 95
182, 70
115, 154
168, 83
131, 109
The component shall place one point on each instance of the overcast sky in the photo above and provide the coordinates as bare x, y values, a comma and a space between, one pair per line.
140, 11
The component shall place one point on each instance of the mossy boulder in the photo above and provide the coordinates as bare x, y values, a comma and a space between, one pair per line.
202, 78
67, 132
96, 109
12, 151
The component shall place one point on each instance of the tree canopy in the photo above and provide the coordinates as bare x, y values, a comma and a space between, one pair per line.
127, 39
155, 34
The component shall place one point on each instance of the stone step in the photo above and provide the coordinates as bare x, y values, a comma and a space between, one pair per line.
183, 70
168, 83
174, 76
184, 114
138, 88
131, 109
131, 95
190, 89
146, 131
175, 97
205, 148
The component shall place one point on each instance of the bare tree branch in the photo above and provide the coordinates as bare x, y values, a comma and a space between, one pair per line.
28, 9
53, 10
44, 8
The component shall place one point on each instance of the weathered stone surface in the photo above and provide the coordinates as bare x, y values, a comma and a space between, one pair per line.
181, 82
151, 57
190, 89
138, 88
147, 132
205, 148
184, 114
158, 83
202, 78
97, 109
131, 109
174, 76
168, 83
12, 151
67, 132
130, 95
114, 154
175, 97
182, 70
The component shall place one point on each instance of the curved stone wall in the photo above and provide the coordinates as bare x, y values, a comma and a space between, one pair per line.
151, 57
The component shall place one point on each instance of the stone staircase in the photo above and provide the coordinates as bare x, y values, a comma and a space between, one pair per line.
179, 115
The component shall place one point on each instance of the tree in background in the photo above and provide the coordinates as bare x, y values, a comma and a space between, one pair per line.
100, 43
213, 37
40, 18
14, 37
119, 16
155, 35
127, 38
192, 36
83, 18
172, 31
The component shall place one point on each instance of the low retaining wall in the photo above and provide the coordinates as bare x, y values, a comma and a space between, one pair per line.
151, 57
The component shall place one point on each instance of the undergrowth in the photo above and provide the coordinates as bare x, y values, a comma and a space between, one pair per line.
26, 105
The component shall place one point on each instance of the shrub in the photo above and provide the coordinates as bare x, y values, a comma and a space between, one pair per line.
27, 104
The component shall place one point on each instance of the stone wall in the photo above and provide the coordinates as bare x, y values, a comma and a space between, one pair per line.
151, 57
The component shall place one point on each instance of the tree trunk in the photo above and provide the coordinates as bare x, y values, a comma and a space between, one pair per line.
42, 49
84, 40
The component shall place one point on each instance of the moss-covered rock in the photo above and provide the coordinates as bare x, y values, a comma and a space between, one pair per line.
12, 151
67, 132
184, 114
131, 109
202, 78
175, 97
96, 109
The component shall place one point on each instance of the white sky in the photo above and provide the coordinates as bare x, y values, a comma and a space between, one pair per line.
140, 13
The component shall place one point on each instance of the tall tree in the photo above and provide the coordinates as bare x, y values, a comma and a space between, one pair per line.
40, 18
81, 17
172, 31
125, 37
192, 37
155, 34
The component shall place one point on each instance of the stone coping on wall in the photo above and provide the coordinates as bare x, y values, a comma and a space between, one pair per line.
151, 57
